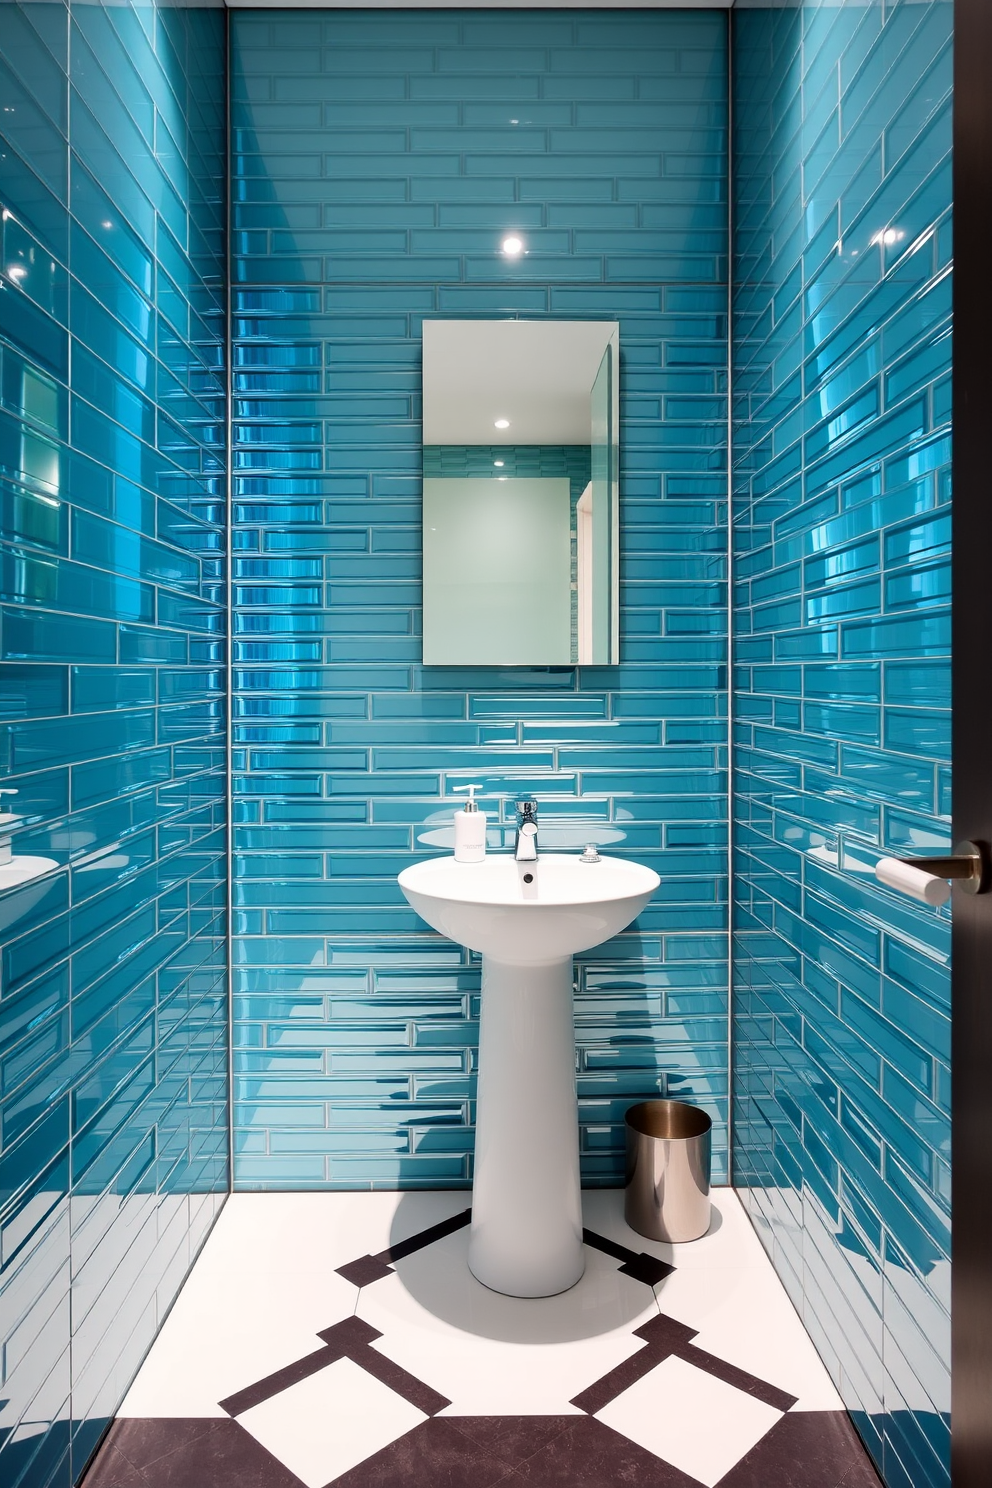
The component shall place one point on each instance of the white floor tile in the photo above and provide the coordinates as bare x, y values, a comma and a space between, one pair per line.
724, 1286
744, 1316
496, 1355
688, 1418
330, 1422
730, 1239
265, 1285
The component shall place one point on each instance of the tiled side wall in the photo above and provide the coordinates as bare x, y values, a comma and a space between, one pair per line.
841, 524
112, 1026
379, 158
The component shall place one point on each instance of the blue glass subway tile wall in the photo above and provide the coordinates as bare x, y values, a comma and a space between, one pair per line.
378, 159
113, 1033
841, 551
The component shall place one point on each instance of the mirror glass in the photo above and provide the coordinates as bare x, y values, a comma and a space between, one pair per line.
521, 508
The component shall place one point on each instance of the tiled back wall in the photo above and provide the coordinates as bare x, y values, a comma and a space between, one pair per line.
113, 1032
379, 157
842, 538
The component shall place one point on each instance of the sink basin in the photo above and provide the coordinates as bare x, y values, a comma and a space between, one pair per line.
527, 920
568, 906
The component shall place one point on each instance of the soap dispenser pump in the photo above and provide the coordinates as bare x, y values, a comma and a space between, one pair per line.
470, 828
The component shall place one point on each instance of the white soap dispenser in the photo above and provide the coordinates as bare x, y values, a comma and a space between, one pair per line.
470, 829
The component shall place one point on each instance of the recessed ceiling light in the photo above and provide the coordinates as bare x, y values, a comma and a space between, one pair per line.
513, 246
502, 423
499, 464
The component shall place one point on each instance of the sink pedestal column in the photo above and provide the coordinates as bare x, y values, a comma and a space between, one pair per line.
526, 1238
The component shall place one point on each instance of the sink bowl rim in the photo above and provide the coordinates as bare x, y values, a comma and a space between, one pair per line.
651, 881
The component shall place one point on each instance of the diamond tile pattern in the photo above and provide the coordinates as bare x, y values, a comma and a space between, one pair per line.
348, 1414
358, 1416
377, 161
112, 1008
841, 561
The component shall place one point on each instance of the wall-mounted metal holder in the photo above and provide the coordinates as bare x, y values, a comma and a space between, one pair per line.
929, 879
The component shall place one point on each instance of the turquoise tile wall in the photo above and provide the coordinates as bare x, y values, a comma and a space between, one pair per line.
841, 552
378, 159
113, 1155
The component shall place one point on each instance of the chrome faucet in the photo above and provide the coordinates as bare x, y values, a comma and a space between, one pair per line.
525, 849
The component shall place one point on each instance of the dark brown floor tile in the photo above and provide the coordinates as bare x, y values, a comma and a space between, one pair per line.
750, 1384
111, 1470
274, 1384
403, 1248
225, 1458
350, 1333
665, 1335
806, 1449
511, 1438
433, 1455
364, 1271
862, 1475
626, 1373
646, 1268
588, 1454
400, 1380
143, 1440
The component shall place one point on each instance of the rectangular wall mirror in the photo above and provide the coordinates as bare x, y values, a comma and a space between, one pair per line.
521, 492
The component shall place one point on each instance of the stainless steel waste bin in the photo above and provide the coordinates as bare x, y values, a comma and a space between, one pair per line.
668, 1170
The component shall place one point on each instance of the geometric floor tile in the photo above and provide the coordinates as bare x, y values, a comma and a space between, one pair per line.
173, 1453
690, 1419
807, 1449
341, 1339
489, 1354
815, 1449
331, 1421
547, 1452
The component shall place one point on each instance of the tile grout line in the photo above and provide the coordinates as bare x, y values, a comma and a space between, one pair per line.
229, 592
730, 599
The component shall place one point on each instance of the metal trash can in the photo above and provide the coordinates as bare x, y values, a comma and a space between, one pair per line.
668, 1170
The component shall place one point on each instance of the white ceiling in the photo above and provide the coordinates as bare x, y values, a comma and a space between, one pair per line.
536, 373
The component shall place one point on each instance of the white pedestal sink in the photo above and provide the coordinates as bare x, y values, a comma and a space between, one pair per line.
527, 919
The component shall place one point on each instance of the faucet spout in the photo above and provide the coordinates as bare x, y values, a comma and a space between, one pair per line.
525, 848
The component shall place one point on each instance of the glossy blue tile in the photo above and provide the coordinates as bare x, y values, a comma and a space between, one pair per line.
394, 737
88, 588
844, 331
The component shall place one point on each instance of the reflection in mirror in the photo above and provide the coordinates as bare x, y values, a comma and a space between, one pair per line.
521, 508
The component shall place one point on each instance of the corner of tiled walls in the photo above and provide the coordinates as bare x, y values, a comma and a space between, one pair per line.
376, 159
113, 1037
841, 559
